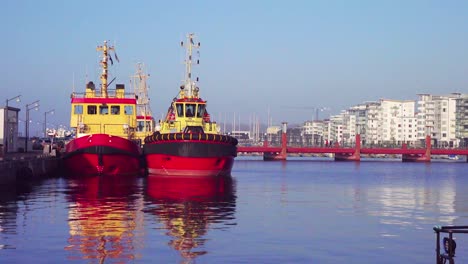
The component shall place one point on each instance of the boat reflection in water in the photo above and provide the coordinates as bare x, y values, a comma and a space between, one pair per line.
188, 207
104, 218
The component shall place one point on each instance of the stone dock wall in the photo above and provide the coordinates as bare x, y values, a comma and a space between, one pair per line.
18, 167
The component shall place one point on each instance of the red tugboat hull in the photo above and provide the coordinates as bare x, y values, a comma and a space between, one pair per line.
160, 164
189, 158
101, 154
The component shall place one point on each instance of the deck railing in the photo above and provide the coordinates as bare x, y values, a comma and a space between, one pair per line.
448, 243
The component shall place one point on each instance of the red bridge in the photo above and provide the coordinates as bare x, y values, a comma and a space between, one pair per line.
352, 154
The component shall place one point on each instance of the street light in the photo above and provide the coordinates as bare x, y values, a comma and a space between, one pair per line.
34, 105
45, 120
6, 133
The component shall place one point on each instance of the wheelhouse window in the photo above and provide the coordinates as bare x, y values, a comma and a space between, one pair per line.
78, 109
115, 109
103, 109
190, 110
141, 126
92, 110
128, 110
201, 110
180, 110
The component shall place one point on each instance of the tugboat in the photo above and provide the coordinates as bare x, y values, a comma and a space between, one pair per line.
105, 123
188, 143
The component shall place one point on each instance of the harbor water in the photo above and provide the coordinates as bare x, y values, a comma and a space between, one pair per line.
304, 210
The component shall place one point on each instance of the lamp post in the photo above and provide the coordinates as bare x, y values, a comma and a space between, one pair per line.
33, 105
6, 133
45, 120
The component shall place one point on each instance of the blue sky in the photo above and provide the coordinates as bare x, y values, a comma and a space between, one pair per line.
288, 56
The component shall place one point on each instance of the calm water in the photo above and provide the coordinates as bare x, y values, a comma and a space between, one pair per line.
300, 211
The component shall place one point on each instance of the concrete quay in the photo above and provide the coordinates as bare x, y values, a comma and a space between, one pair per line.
19, 167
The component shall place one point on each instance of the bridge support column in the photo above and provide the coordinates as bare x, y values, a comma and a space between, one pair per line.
269, 156
356, 156
426, 157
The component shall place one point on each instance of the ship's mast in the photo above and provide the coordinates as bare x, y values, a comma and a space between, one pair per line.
104, 64
189, 85
141, 90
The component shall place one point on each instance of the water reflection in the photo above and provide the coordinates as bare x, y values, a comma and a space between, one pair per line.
189, 207
104, 218
401, 202
9, 210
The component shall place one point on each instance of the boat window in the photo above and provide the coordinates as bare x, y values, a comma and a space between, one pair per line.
103, 109
180, 110
190, 110
140, 126
148, 126
201, 110
194, 129
128, 110
78, 110
92, 110
115, 109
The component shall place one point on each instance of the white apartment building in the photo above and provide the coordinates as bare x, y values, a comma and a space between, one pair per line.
444, 118
386, 121
335, 129
313, 132
462, 119
313, 127
342, 128
397, 121
437, 117
359, 112
373, 115
349, 127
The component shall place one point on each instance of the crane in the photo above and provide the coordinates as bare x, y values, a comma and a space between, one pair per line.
315, 108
